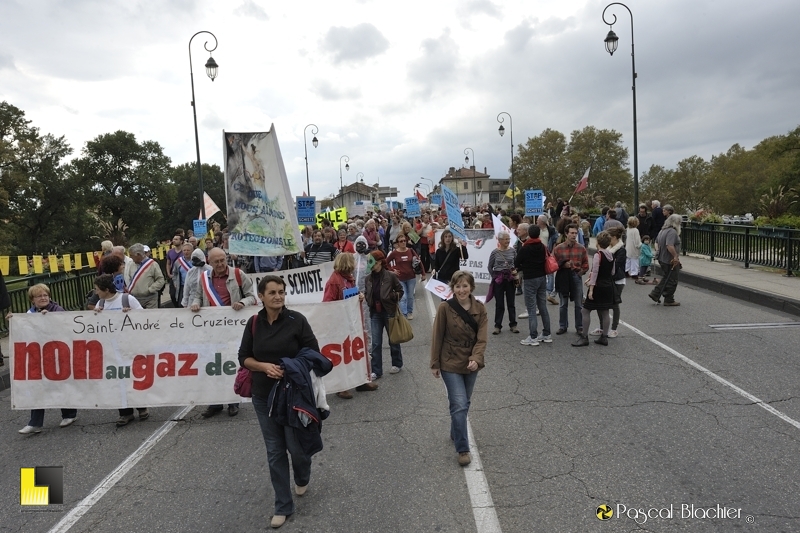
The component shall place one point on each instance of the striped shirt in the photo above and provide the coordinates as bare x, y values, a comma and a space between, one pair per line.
500, 260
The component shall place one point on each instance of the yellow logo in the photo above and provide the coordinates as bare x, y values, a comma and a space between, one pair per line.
604, 512
43, 485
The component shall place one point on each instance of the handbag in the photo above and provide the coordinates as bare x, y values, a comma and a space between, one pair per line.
550, 263
400, 329
243, 384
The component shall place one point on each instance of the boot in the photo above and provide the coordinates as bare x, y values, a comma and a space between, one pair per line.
583, 340
603, 339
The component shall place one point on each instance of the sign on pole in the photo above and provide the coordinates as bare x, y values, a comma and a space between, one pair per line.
534, 202
454, 220
337, 216
412, 207
307, 210
200, 228
436, 199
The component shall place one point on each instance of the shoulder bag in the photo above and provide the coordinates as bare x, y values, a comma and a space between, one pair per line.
243, 384
550, 263
400, 329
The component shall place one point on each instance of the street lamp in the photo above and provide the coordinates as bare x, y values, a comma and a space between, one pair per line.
211, 72
341, 184
611, 46
466, 160
501, 130
315, 142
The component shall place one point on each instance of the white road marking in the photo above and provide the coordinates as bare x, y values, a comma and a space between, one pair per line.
763, 325
117, 474
704, 370
480, 496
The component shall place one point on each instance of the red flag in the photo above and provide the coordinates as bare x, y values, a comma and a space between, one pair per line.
420, 197
584, 183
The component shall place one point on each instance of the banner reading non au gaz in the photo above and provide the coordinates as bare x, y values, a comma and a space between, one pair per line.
159, 357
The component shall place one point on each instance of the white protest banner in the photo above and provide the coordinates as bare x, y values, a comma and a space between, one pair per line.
499, 226
439, 288
304, 285
480, 243
359, 208
160, 357
261, 213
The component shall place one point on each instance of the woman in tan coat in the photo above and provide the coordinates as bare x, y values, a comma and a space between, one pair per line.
457, 349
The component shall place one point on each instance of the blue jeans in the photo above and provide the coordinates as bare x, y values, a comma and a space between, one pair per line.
407, 301
536, 296
280, 439
551, 284
459, 391
37, 416
563, 307
379, 322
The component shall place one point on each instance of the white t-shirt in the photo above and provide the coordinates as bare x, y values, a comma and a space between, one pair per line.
115, 303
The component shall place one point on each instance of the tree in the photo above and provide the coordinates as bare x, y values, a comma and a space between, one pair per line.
691, 185
179, 202
541, 163
656, 184
123, 179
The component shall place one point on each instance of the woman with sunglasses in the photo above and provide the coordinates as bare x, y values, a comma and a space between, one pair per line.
401, 261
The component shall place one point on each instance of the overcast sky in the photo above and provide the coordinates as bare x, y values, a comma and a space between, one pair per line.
402, 88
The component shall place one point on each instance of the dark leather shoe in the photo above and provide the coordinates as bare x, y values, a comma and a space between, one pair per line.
233, 410
603, 339
367, 387
561, 331
345, 395
653, 297
582, 341
672, 304
209, 412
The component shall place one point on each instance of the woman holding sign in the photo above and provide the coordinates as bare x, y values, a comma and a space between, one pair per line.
448, 257
457, 348
341, 286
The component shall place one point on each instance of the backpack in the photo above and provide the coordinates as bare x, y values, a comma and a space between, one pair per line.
125, 301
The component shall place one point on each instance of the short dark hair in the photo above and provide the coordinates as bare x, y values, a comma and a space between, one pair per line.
262, 285
106, 282
534, 231
612, 213
604, 211
110, 264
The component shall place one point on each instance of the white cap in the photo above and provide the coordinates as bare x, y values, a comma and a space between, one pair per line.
146, 248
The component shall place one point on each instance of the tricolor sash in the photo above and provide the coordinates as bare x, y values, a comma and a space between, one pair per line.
208, 289
139, 272
184, 264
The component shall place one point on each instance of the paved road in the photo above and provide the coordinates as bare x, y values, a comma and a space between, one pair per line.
559, 430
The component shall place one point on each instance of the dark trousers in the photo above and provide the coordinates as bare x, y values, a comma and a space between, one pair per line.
129, 411
425, 257
505, 295
669, 282
173, 294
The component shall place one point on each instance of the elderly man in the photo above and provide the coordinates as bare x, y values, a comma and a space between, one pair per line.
573, 263
223, 286
143, 277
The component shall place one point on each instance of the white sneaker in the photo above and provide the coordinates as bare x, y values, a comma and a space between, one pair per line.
30, 429
597, 333
612, 333
528, 341
524, 314
394, 370
537, 311
67, 421
410, 316
544, 338
373, 376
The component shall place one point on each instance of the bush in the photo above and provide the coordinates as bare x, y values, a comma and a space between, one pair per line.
783, 221
711, 218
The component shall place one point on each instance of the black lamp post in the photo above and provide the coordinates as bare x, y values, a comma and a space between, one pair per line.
341, 184
466, 160
502, 130
315, 142
211, 71
611, 46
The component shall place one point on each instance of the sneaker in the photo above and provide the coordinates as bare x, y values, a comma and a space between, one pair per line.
464, 458
410, 316
496, 331
596, 333
537, 311
544, 338
124, 420
612, 334
66, 421
524, 314
277, 521
582, 341
300, 491
373, 376
30, 429
672, 304
552, 300
561, 331
233, 410
394, 370
528, 341
514, 329
144, 414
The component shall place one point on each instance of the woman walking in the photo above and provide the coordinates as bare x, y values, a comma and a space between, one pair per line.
503, 275
601, 291
457, 353
401, 261
382, 292
448, 257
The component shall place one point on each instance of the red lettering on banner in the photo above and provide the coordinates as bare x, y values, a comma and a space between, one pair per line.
348, 351
143, 371
167, 365
188, 360
57, 362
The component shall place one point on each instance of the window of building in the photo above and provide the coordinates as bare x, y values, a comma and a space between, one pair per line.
494, 197
466, 185
480, 185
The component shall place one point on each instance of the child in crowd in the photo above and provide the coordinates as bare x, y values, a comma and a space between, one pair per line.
645, 260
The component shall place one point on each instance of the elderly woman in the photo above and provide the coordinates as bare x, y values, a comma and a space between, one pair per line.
342, 244
352, 232
341, 281
669, 258
382, 291
39, 296
601, 291
275, 333
504, 275
371, 234
457, 349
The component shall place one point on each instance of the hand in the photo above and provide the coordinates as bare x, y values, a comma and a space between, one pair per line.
590, 294
273, 371
435, 372
472, 366
126, 309
238, 306
568, 264
195, 308
43, 311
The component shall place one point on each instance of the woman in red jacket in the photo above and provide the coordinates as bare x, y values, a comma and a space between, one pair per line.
401, 261
342, 244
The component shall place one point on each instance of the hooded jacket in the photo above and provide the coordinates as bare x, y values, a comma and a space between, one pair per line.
191, 287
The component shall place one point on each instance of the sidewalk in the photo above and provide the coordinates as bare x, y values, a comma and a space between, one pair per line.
759, 285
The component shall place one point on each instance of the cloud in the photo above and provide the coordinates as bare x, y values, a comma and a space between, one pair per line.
7, 61
354, 44
466, 10
326, 90
250, 9
437, 65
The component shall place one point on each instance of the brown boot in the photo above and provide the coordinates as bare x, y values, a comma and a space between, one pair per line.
367, 387
345, 395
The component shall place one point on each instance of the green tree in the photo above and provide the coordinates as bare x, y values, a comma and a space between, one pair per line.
179, 202
542, 163
123, 179
656, 184
691, 185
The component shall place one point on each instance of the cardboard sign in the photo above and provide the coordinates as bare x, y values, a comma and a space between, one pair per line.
306, 210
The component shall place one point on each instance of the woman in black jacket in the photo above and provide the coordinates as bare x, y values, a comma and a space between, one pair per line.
382, 291
448, 257
277, 333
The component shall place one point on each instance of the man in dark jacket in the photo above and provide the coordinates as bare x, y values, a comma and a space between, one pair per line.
530, 260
